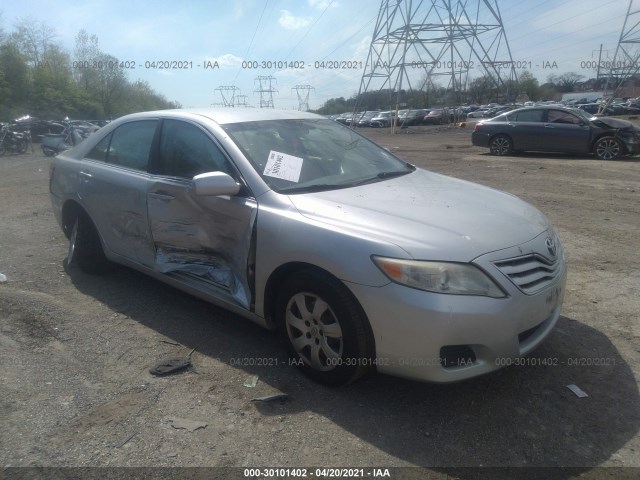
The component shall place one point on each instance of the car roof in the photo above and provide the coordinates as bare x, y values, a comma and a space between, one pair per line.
229, 115
545, 107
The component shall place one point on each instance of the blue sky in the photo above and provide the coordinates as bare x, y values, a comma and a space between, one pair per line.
563, 35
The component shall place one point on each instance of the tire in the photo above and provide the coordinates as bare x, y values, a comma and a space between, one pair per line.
85, 248
22, 146
325, 330
607, 148
501, 145
48, 152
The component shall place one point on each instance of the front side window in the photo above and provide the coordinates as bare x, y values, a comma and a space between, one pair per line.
186, 151
99, 152
131, 144
294, 156
558, 116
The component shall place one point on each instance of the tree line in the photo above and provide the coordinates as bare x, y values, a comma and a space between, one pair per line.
39, 78
480, 90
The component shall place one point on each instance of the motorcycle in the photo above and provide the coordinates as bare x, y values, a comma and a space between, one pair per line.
12, 141
55, 143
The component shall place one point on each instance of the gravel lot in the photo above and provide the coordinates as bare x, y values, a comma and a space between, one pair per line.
75, 353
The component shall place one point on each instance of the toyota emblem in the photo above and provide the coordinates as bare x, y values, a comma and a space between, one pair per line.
551, 246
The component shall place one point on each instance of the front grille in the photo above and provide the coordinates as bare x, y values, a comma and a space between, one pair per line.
531, 273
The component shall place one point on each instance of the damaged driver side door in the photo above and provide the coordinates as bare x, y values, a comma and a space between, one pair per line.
202, 241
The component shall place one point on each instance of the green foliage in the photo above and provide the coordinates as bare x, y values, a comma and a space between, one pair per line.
38, 78
480, 90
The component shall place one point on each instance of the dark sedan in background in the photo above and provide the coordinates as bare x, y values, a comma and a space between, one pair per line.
557, 129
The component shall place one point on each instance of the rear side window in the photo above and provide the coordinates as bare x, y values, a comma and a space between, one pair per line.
131, 144
529, 116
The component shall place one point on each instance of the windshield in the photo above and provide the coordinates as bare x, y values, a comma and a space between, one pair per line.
295, 156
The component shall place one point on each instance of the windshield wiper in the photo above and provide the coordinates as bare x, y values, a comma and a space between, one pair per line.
319, 187
383, 176
393, 174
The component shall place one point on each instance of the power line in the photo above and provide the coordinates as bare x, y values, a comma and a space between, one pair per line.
255, 31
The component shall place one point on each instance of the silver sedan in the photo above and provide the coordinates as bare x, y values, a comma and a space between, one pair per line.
362, 261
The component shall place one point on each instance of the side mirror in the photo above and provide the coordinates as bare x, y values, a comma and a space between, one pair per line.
214, 184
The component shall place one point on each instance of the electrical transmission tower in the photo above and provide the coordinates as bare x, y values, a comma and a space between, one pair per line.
303, 96
228, 93
241, 101
626, 59
415, 43
266, 90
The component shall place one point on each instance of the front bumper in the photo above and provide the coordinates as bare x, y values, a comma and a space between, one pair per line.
631, 142
446, 338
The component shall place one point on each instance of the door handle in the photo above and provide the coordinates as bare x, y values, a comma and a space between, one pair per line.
546, 125
85, 177
165, 197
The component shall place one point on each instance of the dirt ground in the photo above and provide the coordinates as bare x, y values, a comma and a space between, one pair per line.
75, 353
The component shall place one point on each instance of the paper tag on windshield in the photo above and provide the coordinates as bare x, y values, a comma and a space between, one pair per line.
281, 165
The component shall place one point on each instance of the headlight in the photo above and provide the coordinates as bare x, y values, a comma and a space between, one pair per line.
439, 277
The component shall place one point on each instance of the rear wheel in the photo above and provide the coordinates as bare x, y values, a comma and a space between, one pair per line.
85, 248
326, 332
607, 148
500, 145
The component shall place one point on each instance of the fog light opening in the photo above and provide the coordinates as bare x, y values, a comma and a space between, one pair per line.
457, 356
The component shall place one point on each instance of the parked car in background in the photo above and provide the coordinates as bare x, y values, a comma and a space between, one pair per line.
436, 116
476, 114
343, 118
497, 110
360, 260
382, 119
557, 129
412, 117
365, 119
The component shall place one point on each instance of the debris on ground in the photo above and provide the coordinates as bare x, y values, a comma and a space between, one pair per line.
186, 424
171, 365
271, 398
577, 390
252, 382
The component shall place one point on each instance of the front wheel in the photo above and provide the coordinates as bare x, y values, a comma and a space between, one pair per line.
500, 145
326, 332
607, 148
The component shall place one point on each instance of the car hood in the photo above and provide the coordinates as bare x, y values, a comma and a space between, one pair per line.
430, 216
614, 123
